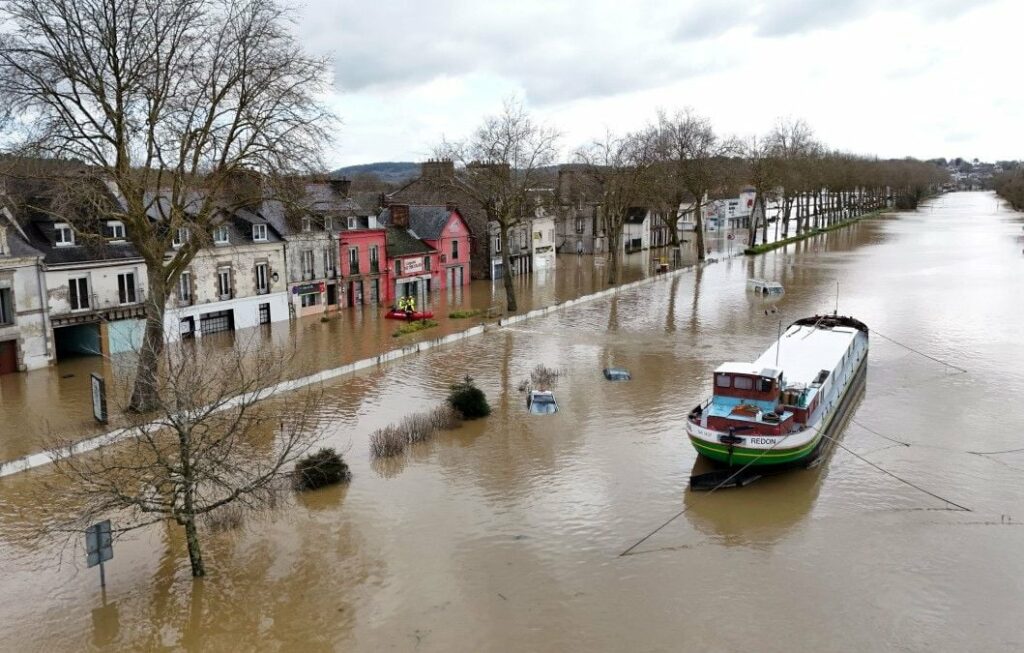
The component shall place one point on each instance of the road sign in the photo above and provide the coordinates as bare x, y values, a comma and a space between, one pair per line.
99, 398
99, 545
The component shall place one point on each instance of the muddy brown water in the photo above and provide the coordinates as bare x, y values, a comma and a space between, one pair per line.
506, 534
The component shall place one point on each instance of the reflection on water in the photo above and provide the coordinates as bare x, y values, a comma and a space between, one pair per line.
504, 534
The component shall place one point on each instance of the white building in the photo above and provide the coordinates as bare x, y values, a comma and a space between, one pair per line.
542, 241
236, 283
24, 327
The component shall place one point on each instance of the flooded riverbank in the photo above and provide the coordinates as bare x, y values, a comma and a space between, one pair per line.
506, 534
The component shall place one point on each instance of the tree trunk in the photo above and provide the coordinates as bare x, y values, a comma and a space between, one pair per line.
698, 223
144, 392
195, 556
506, 264
764, 217
612, 255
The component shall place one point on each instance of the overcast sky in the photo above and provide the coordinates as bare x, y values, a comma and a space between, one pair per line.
923, 78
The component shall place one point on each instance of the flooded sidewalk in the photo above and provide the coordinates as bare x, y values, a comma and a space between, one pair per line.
54, 404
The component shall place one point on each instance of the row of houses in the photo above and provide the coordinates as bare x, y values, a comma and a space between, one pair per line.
66, 289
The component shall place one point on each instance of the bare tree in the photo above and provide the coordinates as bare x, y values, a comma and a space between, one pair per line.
701, 158
622, 168
212, 447
764, 173
166, 103
499, 166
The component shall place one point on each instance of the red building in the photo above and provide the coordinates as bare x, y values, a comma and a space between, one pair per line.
363, 266
427, 248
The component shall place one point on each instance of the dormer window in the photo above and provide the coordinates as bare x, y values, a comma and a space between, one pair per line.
116, 229
65, 237
352, 224
180, 237
328, 224
259, 232
307, 224
220, 236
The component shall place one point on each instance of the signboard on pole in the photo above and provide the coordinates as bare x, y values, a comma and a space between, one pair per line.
99, 398
412, 265
99, 547
99, 544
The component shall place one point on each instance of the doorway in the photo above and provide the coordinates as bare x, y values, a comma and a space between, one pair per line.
8, 356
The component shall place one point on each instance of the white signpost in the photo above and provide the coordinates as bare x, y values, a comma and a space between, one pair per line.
99, 398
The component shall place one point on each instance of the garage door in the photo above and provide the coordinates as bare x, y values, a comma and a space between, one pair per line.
216, 322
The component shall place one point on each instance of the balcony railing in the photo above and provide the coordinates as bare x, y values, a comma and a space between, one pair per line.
99, 303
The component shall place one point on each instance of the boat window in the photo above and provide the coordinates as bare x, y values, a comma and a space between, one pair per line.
743, 383
764, 385
723, 381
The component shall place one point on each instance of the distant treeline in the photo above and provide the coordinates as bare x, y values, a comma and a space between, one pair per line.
1010, 186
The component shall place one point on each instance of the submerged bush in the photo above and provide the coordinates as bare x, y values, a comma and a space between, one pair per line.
468, 399
461, 315
417, 427
323, 468
445, 418
387, 442
413, 327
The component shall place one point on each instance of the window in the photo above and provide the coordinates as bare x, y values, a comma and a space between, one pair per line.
185, 288
262, 279
307, 223
259, 232
398, 267
307, 264
743, 383
180, 237
374, 260
426, 264
116, 229
353, 260
455, 250
310, 299
64, 235
78, 295
6, 306
497, 244
329, 257
126, 288
723, 381
579, 225
328, 224
220, 235
264, 313
522, 239
224, 283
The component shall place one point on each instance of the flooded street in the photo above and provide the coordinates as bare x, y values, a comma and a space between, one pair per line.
506, 534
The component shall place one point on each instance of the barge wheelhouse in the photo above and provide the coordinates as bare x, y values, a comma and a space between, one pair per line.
775, 410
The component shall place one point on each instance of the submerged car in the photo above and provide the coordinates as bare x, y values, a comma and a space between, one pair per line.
541, 402
617, 374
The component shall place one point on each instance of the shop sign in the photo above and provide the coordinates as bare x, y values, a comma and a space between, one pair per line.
412, 265
306, 288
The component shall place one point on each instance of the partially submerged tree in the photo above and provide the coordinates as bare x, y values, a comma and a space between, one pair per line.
703, 165
214, 442
499, 167
621, 168
168, 103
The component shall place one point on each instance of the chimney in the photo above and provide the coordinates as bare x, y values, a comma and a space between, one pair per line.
437, 169
400, 216
340, 186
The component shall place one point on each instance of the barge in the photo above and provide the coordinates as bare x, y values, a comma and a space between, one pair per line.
775, 410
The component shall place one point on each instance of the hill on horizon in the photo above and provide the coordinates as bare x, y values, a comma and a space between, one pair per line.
392, 172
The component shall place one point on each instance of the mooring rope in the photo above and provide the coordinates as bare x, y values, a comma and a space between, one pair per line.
918, 352
895, 476
711, 491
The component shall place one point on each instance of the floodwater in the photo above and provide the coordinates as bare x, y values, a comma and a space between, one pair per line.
506, 534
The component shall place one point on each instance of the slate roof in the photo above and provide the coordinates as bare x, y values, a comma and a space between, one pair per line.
400, 242
32, 205
427, 221
636, 215
319, 201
